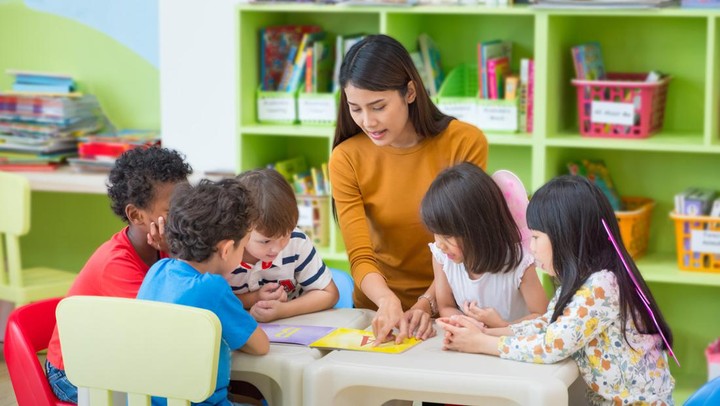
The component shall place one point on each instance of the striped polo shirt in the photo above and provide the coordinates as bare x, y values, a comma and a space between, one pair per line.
298, 268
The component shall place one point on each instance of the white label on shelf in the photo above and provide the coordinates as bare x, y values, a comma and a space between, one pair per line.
306, 216
462, 111
499, 118
612, 113
705, 241
317, 109
276, 108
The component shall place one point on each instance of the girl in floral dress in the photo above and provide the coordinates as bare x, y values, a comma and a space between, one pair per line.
602, 312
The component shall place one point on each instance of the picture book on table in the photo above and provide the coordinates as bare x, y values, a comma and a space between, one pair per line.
332, 338
289, 334
361, 340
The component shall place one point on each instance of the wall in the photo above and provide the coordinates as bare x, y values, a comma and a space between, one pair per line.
66, 228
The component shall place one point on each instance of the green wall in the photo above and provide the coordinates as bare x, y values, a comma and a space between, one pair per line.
67, 227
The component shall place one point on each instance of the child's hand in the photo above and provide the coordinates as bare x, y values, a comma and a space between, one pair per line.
452, 320
272, 291
462, 334
486, 315
156, 236
266, 310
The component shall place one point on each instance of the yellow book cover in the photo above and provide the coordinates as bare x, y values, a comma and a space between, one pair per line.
361, 340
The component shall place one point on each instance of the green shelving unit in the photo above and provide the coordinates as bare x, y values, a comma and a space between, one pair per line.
682, 43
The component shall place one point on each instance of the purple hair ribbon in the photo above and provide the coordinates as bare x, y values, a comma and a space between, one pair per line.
644, 299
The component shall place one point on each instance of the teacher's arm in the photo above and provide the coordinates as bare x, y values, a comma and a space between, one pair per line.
355, 230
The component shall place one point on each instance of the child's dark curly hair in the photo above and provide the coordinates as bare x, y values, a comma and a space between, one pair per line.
201, 216
138, 171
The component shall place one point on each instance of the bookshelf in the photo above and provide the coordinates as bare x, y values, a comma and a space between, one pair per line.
683, 43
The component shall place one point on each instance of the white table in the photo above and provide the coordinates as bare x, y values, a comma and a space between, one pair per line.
428, 373
279, 374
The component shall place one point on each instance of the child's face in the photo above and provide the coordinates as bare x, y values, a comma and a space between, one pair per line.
541, 248
235, 255
383, 116
160, 205
451, 247
262, 248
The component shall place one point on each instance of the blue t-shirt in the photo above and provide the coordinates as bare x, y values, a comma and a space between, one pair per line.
175, 281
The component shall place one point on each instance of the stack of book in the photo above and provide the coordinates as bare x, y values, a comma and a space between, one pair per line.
37, 132
98, 152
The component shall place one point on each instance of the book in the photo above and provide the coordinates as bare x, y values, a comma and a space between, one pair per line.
343, 43
588, 61
294, 334
431, 64
301, 57
497, 70
512, 83
486, 51
275, 45
530, 100
361, 340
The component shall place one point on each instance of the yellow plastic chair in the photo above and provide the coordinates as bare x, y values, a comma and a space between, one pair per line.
17, 285
138, 347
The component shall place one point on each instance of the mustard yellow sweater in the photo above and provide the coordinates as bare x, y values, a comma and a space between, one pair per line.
377, 192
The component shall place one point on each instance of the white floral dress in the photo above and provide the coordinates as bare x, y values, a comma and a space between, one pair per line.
589, 332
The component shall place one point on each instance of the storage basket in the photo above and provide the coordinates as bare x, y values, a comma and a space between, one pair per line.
634, 224
314, 218
623, 106
317, 108
458, 94
276, 107
458, 97
697, 240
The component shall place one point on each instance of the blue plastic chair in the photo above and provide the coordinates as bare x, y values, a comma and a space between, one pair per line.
707, 395
345, 285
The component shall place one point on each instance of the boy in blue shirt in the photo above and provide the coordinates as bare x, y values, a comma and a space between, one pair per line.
207, 229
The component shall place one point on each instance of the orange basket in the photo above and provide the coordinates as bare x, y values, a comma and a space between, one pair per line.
634, 224
697, 239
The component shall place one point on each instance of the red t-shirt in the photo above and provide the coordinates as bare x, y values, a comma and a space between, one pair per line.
114, 269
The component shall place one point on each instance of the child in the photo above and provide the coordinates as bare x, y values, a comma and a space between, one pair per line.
481, 268
207, 230
139, 186
280, 263
597, 316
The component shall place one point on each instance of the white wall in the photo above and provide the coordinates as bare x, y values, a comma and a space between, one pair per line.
198, 81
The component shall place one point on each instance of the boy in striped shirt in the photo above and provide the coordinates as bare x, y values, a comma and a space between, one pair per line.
281, 274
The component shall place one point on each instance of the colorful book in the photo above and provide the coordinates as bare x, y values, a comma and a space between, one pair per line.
588, 61
512, 83
275, 45
497, 69
530, 95
361, 340
486, 51
293, 334
431, 64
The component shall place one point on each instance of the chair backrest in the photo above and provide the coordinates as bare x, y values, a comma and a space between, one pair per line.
707, 395
28, 331
14, 222
346, 286
139, 347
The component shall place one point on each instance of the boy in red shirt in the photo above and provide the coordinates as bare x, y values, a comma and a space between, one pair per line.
139, 186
